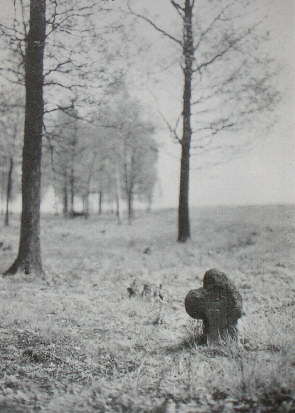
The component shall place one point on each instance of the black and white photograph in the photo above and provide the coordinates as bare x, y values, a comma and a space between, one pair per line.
147, 206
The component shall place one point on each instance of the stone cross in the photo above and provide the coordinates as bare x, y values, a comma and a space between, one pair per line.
219, 304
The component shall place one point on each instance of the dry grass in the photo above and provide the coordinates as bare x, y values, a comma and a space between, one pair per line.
75, 341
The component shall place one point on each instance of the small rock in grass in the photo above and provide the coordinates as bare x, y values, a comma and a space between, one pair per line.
145, 290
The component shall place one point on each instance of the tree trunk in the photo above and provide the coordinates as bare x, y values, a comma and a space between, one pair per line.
29, 254
72, 190
118, 215
188, 53
86, 204
118, 194
149, 203
65, 195
130, 205
8, 190
65, 199
100, 198
2, 192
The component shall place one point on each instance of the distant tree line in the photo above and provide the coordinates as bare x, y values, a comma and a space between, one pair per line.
114, 157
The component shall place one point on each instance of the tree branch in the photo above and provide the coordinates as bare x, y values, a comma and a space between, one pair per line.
215, 57
57, 67
178, 8
150, 22
172, 130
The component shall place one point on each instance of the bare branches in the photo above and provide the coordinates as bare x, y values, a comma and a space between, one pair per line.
59, 84
68, 110
58, 67
172, 130
178, 8
62, 15
68, 71
218, 126
229, 41
155, 26
216, 57
210, 27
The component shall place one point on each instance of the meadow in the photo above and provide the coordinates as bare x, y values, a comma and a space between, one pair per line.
75, 341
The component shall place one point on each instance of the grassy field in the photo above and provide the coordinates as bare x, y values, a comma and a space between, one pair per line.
76, 342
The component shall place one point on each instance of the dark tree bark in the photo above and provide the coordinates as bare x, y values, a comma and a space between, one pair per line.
72, 190
65, 199
100, 199
118, 215
8, 190
188, 53
3, 178
29, 254
130, 205
129, 185
118, 194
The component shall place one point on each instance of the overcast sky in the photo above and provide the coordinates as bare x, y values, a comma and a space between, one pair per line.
263, 173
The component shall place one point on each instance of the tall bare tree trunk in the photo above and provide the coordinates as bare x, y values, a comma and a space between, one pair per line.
29, 254
86, 204
118, 215
72, 190
130, 205
2, 192
118, 194
188, 53
8, 190
65, 199
100, 199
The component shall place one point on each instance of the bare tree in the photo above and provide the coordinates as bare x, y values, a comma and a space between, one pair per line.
136, 151
128, 153
62, 147
11, 130
220, 61
25, 63
29, 254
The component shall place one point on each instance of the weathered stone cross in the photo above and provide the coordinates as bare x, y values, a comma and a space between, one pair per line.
219, 304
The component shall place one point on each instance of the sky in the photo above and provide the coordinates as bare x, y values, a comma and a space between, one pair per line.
261, 174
